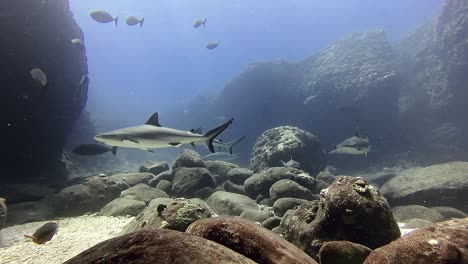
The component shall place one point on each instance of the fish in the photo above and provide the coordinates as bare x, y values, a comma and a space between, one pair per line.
39, 76
309, 99
220, 156
93, 149
354, 145
102, 16
153, 135
133, 20
198, 22
218, 143
44, 233
212, 45
84, 80
77, 42
291, 163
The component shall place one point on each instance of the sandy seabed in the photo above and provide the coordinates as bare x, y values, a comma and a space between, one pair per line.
75, 234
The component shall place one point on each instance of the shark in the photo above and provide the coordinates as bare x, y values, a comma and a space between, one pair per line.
354, 145
291, 163
152, 135
218, 143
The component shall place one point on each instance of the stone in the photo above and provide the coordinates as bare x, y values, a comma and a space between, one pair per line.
226, 203
449, 212
251, 240
158, 246
239, 175
204, 192
188, 159
133, 179
26, 212
289, 188
261, 182
25, 192
402, 213
412, 223
157, 201
232, 187
221, 168
176, 215
282, 205
163, 176
443, 184
187, 181
271, 222
256, 215
142, 192
123, 207
154, 167
351, 209
165, 186
343, 252
443, 242
282, 143
3, 213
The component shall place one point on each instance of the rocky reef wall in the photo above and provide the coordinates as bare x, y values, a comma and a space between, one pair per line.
36, 119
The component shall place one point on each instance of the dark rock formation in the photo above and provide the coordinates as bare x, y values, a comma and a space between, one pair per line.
289, 188
250, 240
165, 186
37, 119
232, 187
154, 167
343, 252
444, 242
187, 182
350, 209
226, 203
239, 175
159, 246
281, 143
26, 212
437, 185
271, 222
282, 205
221, 168
257, 215
163, 176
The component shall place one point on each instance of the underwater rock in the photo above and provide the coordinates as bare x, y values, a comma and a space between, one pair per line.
221, 168
123, 207
284, 143
282, 205
157, 201
326, 177
176, 215
226, 203
158, 246
90, 196
165, 186
351, 209
412, 223
133, 179
3, 213
271, 222
402, 213
187, 181
26, 212
249, 239
444, 242
239, 175
261, 182
25, 192
142, 192
163, 176
343, 252
256, 215
188, 159
437, 185
234, 188
449, 212
154, 167
289, 188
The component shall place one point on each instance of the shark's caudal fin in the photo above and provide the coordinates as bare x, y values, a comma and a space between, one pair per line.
116, 19
204, 22
233, 143
114, 151
357, 132
210, 135
141, 22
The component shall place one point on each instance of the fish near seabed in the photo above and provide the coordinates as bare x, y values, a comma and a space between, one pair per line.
354, 145
44, 233
198, 22
212, 45
77, 42
39, 76
291, 163
102, 16
133, 20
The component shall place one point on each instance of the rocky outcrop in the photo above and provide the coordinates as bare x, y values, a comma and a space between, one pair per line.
123, 207
226, 203
343, 252
36, 118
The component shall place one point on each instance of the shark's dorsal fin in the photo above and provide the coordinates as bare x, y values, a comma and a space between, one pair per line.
153, 120
356, 132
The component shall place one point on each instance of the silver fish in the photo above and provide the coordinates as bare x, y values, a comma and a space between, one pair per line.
133, 20
212, 45
39, 76
102, 16
198, 22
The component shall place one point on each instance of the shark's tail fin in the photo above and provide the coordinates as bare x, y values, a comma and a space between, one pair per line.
204, 22
115, 20
233, 143
210, 135
142, 21
114, 150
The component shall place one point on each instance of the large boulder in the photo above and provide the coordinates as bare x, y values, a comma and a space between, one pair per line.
221, 168
122, 207
133, 179
226, 203
188, 159
437, 185
239, 175
159, 246
142, 192
289, 188
403, 213
286, 142
186, 182
282, 205
154, 167
250, 240
351, 209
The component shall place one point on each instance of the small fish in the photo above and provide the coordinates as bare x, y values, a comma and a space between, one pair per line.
77, 42
212, 45
102, 16
93, 149
291, 164
220, 156
84, 80
198, 22
133, 20
309, 99
354, 145
39, 76
44, 233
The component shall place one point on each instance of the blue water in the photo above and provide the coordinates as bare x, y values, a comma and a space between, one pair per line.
135, 71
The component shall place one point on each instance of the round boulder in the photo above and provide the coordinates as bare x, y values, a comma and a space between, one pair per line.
186, 182
188, 159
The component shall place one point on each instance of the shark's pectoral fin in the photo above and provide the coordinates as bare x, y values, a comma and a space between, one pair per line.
193, 145
128, 138
114, 151
175, 144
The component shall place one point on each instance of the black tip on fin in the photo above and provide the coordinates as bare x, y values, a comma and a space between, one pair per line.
114, 151
357, 133
153, 120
